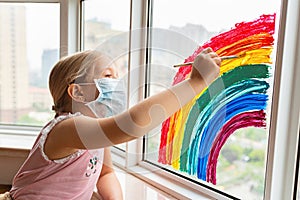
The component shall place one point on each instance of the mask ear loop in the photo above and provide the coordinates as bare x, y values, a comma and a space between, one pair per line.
98, 88
81, 98
92, 104
74, 92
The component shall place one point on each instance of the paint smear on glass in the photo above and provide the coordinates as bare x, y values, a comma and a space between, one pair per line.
193, 137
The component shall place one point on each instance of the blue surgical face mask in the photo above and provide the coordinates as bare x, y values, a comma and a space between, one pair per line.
111, 99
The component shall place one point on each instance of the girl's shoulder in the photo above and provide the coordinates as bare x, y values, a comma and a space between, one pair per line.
47, 129
57, 120
51, 124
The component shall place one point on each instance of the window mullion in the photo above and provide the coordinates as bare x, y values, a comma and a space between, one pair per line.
137, 70
287, 116
69, 26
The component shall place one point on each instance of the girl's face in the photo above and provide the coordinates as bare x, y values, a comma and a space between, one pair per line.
102, 69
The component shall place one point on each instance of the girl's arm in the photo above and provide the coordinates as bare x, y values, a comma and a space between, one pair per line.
90, 133
108, 184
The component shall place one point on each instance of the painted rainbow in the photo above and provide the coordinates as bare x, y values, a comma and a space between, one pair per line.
193, 137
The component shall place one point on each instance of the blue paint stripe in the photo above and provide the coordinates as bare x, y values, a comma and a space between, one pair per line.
224, 98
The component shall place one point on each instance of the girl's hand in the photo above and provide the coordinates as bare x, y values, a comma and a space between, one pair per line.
206, 66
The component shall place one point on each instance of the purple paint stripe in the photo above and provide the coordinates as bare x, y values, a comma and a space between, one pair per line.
246, 119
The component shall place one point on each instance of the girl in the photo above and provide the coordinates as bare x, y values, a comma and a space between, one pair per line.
70, 156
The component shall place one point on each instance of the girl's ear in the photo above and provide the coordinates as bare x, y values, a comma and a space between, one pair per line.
75, 92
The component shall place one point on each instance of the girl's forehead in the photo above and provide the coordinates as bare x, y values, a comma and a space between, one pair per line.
97, 70
101, 67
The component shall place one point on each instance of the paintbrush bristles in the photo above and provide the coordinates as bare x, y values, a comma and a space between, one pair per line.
222, 58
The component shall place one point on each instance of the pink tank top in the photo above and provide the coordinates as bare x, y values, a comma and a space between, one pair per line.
73, 177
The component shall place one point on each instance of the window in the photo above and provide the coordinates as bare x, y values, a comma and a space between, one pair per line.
105, 28
30, 38
242, 161
29, 46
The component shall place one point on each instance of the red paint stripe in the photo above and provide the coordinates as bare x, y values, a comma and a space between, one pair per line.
163, 141
243, 120
265, 24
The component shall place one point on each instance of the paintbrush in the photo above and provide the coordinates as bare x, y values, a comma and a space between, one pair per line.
222, 58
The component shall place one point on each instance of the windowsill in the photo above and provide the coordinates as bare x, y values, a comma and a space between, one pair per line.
16, 141
162, 181
22, 138
169, 186
136, 189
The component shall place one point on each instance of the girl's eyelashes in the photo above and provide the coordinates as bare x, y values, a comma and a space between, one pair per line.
108, 75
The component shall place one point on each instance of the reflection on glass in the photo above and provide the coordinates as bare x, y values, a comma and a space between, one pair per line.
106, 26
29, 48
175, 36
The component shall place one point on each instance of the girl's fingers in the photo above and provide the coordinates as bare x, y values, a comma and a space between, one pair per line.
207, 50
215, 57
217, 60
213, 54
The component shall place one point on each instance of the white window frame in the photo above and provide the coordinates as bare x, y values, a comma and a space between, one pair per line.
284, 129
281, 166
70, 24
280, 176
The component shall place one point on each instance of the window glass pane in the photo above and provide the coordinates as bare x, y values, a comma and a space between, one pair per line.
240, 164
29, 43
106, 26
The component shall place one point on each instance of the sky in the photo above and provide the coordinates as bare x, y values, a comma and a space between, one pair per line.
42, 23
215, 15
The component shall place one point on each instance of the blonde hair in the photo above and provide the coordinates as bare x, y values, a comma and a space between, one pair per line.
70, 69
